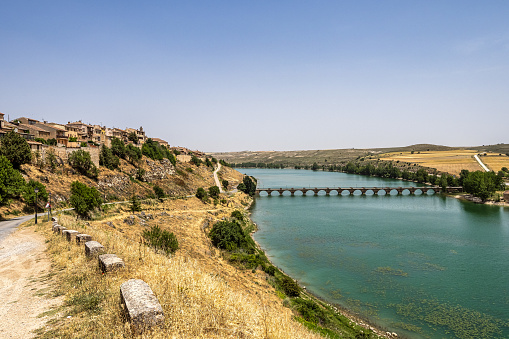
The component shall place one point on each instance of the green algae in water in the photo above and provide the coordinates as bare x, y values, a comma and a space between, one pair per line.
454, 319
391, 271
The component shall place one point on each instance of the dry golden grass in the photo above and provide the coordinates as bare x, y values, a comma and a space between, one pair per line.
445, 161
495, 162
201, 295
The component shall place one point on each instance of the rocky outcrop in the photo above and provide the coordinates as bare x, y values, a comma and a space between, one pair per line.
158, 170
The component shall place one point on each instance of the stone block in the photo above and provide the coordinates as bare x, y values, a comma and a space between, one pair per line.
83, 238
110, 262
140, 306
54, 219
60, 229
55, 227
93, 248
71, 235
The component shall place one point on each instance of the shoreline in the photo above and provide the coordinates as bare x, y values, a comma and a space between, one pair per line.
339, 309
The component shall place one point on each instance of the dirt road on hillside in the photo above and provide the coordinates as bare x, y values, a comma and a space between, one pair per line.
25, 290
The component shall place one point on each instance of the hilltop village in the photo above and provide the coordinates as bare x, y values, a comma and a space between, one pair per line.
64, 138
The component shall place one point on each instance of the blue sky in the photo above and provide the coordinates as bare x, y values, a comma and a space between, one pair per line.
263, 75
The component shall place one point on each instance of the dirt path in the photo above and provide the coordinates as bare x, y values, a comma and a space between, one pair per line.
25, 290
216, 179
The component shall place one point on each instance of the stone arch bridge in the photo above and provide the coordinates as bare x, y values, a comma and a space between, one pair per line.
363, 190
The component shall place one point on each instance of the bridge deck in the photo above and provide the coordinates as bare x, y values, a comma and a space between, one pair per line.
363, 190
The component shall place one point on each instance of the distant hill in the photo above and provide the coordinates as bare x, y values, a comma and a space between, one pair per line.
322, 157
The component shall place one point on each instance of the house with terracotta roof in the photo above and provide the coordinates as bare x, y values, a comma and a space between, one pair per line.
140, 134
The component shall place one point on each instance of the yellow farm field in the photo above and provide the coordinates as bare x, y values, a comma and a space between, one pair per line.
495, 162
445, 161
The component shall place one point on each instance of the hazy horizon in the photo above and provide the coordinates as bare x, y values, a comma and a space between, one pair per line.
232, 76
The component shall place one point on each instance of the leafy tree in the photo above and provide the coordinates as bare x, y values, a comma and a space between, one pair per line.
161, 239
315, 167
133, 137
482, 184
108, 159
195, 160
133, 154
289, 286
73, 139
202, 194
249, 186
16, 149
241, 187
83, 144
118, 148
208, 162
82, 162
51, 142
225, 184
159, 192
176, 152
214, 192
29, 194
230, 236
84, 199
11, 181
135, 204
51, 160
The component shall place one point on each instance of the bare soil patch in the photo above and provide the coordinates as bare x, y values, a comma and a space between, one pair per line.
25, 284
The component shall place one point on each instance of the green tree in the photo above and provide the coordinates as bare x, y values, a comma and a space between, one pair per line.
249, 186
135, 204
84, 199
214, 192
195, 160
230, 236
29, 194
289, 286
133, 154
133, 137
41, 140
16, 149
81, 161
73, 139
225, 184
482, 184
202, 194
108, 159
118, 148
51, 142
51, 160
315, 167
11, 181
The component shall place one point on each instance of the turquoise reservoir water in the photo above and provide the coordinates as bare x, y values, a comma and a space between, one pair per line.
421, 266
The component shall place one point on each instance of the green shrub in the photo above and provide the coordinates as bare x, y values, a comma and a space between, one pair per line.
159, 192
237, 215
195, 160
202, 194
230, 236
135, 205
161, 239
270, 269
84, 199
82, 162
289, 286
310, 310
225, 183
214, 192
